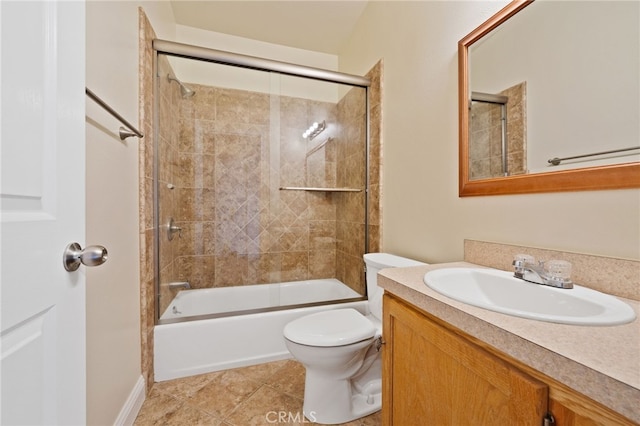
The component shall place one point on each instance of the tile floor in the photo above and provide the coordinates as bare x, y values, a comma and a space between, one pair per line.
263, 394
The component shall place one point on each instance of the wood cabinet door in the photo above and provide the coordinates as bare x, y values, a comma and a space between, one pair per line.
573, 409
433, 376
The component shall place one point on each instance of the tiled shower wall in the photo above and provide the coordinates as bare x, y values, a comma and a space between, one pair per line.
217, 171
220, 180
485, 136
145, 161
351, 173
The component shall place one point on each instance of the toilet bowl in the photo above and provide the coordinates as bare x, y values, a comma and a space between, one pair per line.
340, 351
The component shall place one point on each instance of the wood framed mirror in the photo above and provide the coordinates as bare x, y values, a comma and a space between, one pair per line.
623, 174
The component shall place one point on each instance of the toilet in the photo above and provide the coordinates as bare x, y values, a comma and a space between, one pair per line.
340, 351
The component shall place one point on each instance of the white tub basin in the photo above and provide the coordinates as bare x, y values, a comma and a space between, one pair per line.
500, 291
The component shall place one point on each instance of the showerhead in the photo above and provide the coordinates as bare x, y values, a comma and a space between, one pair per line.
184, 90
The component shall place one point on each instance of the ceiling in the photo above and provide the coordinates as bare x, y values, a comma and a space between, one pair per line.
321, 26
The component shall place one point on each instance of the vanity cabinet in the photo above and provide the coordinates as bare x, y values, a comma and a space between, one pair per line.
435, 374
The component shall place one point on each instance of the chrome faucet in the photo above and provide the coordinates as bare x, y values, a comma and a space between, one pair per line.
552, 273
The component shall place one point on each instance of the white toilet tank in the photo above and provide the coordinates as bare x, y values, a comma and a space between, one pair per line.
375, 262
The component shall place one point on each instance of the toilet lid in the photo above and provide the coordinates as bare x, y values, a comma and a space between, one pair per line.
338, 327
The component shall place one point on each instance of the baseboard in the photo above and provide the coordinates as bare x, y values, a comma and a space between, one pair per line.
132, 405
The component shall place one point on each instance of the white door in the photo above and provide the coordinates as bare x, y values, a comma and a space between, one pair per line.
42, 210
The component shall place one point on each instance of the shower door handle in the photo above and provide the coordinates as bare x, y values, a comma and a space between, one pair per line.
74, 255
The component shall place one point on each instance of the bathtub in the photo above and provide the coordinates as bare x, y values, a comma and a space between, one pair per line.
233, 327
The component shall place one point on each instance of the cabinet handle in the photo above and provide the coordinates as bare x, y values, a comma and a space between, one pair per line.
548, 420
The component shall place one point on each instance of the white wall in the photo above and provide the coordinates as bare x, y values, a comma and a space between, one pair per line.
113, 289
583, 95
423, 217
247, 79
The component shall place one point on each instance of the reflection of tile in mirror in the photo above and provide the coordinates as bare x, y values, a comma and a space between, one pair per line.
485, 135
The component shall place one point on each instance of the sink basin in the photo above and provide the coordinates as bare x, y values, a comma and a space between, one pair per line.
500, 291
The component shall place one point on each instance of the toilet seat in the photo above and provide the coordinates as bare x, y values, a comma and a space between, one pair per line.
337, 327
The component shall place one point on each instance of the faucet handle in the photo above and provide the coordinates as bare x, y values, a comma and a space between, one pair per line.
520, 260
558, 269
525, 257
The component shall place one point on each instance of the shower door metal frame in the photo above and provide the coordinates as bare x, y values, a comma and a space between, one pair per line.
254, 62
222, 57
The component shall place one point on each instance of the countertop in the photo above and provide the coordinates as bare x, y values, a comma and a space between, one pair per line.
601, 362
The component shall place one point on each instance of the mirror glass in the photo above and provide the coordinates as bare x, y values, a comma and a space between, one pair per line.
545, 85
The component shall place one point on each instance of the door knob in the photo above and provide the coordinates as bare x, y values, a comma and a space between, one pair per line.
74, 255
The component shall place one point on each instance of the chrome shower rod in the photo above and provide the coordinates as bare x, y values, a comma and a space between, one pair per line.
124, 133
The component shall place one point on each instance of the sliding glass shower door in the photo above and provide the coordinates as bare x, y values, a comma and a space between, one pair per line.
248, 191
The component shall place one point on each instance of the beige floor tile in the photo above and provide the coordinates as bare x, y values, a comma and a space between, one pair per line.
189, 416
262, 372
256, 395
289, 379
223, 394
185, 387
156, 409
374, 419
266, 407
